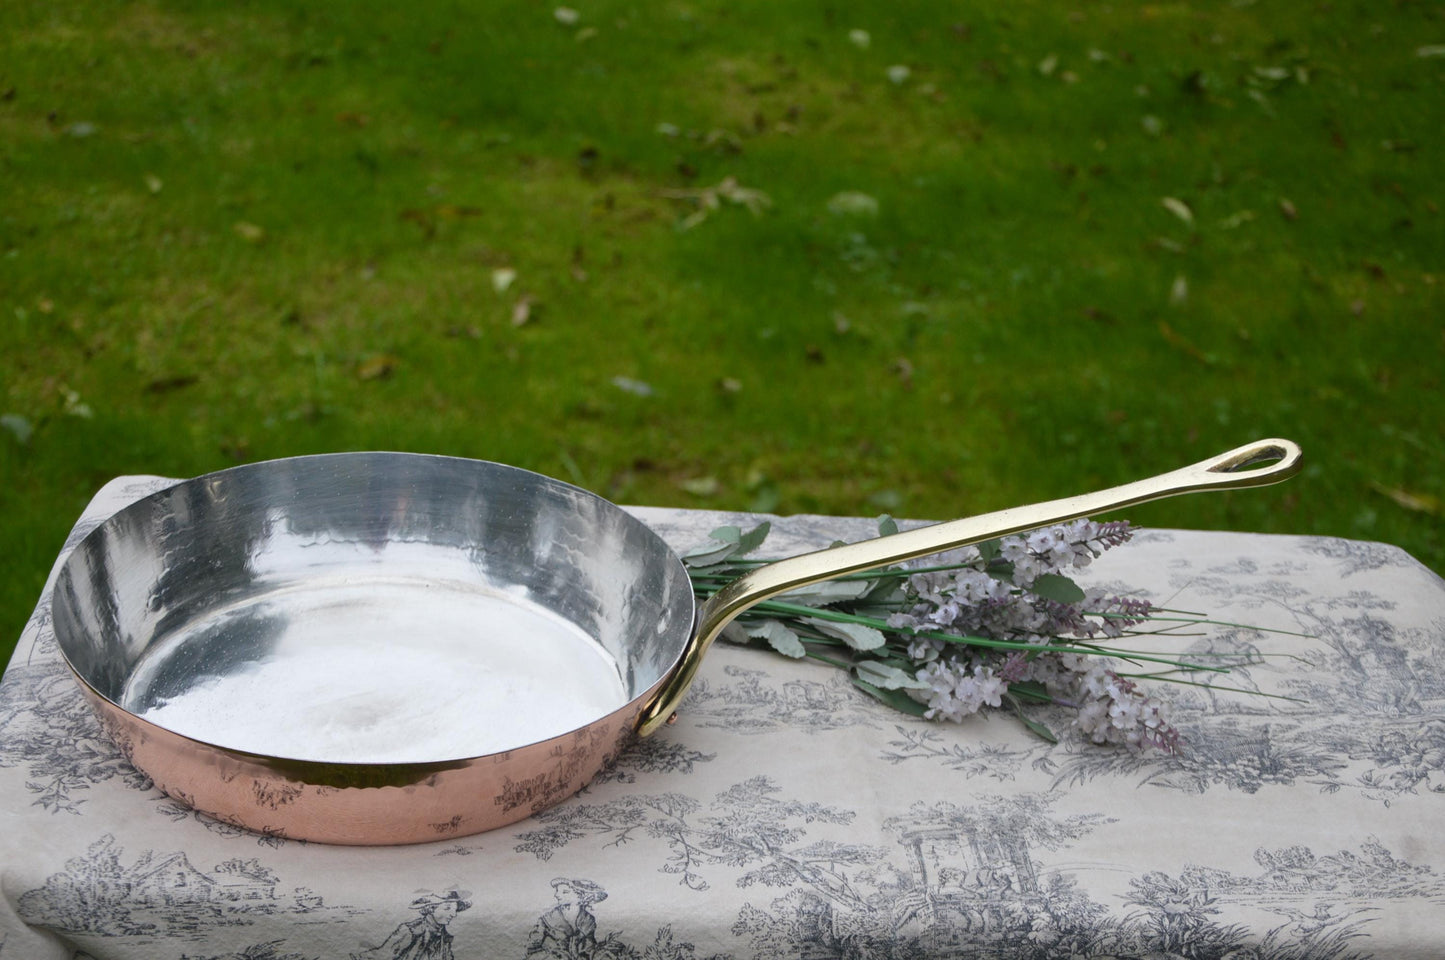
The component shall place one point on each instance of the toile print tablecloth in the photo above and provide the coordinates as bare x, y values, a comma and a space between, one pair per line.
786, 814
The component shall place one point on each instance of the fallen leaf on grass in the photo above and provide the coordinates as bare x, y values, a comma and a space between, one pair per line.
725, 141
377, 367
701, 486
153, 183
755, 200
502, 278
638, 388
853, 203
888, 499
74, 406
709, 199
249, 231
1287, 209
18, 427
903, 369
522, 310
1179, 208
1179, 290
1258, 96
1417, 502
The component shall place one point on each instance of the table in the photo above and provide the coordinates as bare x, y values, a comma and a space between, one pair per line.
787, 814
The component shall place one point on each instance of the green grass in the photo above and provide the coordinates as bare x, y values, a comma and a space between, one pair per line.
234, 232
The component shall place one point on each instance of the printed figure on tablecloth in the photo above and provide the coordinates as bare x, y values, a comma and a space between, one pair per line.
426, 937
569, 930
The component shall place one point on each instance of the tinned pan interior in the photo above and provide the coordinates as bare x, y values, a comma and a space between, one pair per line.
252, 536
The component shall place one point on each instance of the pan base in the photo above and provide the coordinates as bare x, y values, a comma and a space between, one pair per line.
376, 672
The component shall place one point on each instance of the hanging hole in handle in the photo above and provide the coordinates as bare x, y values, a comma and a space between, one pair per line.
1266, 456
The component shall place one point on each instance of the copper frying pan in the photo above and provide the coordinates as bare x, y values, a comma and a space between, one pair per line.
378, 648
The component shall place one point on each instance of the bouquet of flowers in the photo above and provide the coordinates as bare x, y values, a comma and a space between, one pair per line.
1000, 625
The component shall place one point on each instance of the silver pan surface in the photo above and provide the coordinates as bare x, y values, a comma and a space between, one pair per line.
372, 608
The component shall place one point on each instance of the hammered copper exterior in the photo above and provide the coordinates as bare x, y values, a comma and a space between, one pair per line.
368, 804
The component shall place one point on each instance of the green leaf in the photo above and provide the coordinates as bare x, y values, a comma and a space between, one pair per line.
882, 591
709, 554
728, 544
1056, 587
829, 591
1034, 727
703, 571
779, 637
753, 539
855, 635
1031, 690
735, 633
896, 699
887, 526
887, 677
1001, 570
989, 550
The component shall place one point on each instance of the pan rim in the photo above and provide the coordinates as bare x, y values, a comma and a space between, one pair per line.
682, 629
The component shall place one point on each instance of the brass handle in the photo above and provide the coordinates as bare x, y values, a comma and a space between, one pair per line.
1233, 469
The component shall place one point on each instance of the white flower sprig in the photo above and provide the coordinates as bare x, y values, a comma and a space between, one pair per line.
995, 626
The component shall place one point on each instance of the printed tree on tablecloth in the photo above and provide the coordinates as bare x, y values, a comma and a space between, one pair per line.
753, 829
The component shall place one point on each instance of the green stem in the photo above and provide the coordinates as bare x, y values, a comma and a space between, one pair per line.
820, 613
1163, 675
1203, 620
829, 660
